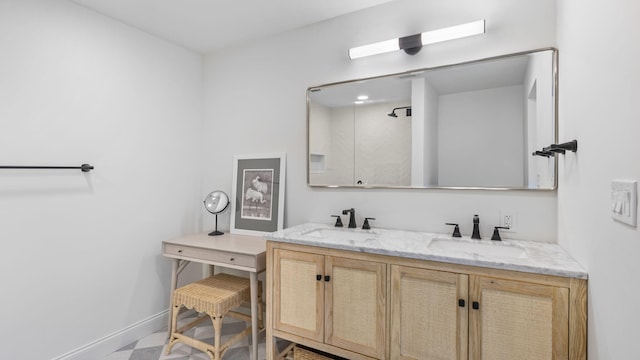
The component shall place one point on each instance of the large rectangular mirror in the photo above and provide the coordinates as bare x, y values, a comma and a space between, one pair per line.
470, 125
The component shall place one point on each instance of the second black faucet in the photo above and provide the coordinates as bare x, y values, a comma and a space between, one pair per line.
352, 217
476, 228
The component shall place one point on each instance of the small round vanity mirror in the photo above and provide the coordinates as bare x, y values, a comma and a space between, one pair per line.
216, 202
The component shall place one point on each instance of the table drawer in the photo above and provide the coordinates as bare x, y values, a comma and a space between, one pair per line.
188, 252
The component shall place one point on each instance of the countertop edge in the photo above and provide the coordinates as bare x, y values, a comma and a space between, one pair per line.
571, 271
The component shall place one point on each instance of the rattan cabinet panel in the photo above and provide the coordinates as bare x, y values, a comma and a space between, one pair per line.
429, 317
299, 294
333, 300
518, 320
435, 314
355, 305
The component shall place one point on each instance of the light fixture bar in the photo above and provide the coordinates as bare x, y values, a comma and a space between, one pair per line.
374, 49
428, 37
453, 32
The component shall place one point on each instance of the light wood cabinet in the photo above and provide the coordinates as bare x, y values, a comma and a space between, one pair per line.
355, 305
436, 314
298, 304
367, 306
333, 300
518, 320
429, 317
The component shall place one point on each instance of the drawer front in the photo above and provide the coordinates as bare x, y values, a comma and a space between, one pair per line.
210, 255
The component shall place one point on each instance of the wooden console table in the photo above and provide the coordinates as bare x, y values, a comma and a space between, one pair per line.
233, 251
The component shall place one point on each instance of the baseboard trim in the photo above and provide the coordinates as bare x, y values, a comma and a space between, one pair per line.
104, 346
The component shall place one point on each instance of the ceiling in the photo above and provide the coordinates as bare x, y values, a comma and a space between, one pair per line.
210, 25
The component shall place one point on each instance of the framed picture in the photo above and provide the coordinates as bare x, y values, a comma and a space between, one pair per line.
257, 204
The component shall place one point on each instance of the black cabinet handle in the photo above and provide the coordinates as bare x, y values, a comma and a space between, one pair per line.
327, 278
318, 277
475, 305
461, 302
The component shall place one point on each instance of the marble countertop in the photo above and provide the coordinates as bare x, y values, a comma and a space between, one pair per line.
517, 255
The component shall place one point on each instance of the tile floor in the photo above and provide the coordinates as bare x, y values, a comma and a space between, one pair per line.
153, 346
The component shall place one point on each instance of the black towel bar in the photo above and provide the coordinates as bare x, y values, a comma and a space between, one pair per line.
83, 167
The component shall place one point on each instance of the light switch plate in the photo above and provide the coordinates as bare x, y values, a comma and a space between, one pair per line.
624, 201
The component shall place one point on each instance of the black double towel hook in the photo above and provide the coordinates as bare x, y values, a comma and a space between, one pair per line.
557, 149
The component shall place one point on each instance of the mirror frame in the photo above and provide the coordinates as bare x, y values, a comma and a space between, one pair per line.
554, 70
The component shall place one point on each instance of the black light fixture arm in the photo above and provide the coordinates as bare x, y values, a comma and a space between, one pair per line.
83, 167
557, 149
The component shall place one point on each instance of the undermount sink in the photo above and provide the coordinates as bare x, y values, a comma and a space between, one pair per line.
343, 234
478, 247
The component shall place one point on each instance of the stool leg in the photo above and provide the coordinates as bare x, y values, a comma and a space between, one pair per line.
217, 328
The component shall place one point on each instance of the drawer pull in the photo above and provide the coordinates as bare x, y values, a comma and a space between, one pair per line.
461, 303
179, 251
318, 277
475, 305
232, 259
327, 278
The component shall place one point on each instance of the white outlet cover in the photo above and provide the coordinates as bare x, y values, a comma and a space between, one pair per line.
624, 201
514, 219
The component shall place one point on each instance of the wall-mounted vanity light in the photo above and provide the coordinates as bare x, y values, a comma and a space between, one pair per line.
413, 43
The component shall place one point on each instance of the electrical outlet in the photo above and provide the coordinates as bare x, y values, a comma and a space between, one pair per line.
508, 219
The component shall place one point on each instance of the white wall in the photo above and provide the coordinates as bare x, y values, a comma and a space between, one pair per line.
599, 92
432, 143
81, 252
424, 131
265, 82
481, 138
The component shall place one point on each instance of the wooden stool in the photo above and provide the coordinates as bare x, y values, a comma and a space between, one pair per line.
216, 296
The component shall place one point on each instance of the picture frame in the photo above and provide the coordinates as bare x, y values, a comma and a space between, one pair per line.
257, 202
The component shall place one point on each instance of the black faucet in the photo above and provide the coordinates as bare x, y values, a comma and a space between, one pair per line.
496, 232
352, 217
456, 230
476, 228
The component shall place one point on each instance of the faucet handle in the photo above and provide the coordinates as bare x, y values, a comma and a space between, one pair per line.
456, 230
366, 225
338, 220
496, 232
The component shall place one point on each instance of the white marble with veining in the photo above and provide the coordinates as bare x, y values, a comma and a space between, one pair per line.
537, 257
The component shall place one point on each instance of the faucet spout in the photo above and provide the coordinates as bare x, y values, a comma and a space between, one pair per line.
476, 227
352, 217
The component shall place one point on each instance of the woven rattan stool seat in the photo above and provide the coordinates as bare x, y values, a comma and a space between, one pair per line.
215, 296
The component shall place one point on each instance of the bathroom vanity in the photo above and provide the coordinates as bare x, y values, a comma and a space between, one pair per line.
391, 294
